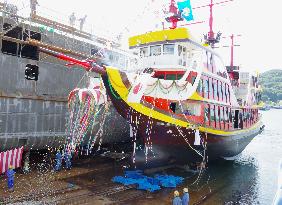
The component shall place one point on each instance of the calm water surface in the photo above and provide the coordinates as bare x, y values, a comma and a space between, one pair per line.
251, 178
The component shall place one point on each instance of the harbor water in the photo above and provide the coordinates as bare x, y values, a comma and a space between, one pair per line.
252, 177
248, 180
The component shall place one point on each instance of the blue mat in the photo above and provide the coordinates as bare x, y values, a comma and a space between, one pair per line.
150, 184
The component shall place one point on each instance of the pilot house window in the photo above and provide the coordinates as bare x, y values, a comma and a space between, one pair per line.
144, 52
156, 50
169, 49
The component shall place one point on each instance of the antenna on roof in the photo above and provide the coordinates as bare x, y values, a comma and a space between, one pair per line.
210, 38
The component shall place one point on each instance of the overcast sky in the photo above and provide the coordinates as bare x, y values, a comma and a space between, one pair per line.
257, 21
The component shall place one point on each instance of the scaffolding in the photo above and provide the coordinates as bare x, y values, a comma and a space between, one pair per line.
39, 31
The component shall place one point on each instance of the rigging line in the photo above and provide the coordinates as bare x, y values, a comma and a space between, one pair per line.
95, 137
101, 130
185, 139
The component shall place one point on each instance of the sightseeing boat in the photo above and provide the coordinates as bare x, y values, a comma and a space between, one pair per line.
183, 104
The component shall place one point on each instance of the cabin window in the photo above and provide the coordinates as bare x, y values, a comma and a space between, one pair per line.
144, 52
226, 115
168, 49
222, 116
207, 114
172, 106
216, 113
212, 115
224, 92
193, 109
175, 108
206, 88
155, 50
200, 87
210, 89
227, 93
220, 91
215, 90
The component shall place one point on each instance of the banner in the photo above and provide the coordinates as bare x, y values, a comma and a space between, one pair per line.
11, 157
186, 10
136, 93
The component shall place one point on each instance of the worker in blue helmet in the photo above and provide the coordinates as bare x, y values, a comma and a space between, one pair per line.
67, 157
11, 178
58, 161
176, 200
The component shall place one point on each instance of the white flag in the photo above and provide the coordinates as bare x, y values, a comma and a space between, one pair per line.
138, 88
197, 138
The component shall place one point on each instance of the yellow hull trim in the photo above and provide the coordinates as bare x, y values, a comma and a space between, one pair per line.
118, 85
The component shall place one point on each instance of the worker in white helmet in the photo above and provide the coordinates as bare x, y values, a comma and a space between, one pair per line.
186, 197
176, 200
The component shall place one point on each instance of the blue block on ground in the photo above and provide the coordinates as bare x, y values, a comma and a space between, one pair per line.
148, 183
136, 174
148, 187
118, 179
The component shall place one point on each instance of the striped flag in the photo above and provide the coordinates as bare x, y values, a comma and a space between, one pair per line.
11, 157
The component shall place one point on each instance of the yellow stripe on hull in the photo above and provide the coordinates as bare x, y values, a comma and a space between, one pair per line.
118, 85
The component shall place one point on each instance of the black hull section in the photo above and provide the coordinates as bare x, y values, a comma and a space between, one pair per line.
172, 144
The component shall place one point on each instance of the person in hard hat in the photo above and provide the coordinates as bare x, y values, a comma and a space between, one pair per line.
185, 197
11, 178
58, 161
176, 200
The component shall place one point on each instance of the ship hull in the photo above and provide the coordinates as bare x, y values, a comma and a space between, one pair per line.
175, 144
35, 114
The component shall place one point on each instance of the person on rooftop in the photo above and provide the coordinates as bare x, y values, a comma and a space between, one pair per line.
33, 4
72, 19
176, 200
82, 21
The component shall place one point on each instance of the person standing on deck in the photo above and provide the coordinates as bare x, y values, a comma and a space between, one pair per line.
81, 22
176, 200
11, 178
72, 19
185, 198
33, 4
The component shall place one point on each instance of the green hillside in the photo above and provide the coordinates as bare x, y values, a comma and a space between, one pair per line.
271, 82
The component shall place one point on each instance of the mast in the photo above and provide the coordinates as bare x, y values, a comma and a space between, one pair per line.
232, 47
211, 33
232, 70
210, 37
